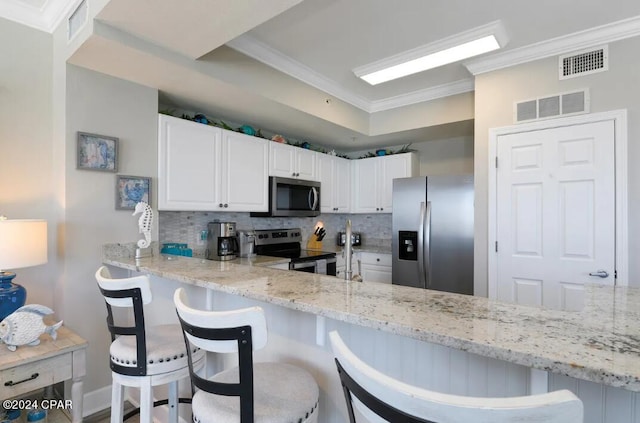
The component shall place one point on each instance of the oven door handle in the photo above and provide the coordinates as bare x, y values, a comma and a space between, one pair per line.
303, 265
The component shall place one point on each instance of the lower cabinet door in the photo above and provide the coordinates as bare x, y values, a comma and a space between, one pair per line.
372, 273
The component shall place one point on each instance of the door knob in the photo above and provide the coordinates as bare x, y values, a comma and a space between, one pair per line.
600, 273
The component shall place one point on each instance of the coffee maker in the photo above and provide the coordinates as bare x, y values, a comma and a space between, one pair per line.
222, 243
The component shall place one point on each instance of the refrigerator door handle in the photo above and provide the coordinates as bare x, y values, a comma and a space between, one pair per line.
421, 246
427, 245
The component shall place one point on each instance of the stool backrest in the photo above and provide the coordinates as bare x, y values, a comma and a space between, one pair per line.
129, 293
239, 331
106, 282
410, 404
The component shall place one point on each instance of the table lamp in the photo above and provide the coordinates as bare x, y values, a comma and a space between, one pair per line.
23, 243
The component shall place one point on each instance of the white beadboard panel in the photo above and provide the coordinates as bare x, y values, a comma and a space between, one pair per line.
602, 404
292, 337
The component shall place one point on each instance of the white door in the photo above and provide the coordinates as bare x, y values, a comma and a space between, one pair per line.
555, 213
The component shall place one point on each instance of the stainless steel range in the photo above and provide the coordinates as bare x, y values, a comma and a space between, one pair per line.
286, 243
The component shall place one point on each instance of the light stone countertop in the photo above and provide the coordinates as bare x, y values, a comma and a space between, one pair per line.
601, 343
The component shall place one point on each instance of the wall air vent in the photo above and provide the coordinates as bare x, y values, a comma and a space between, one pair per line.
556, 105
77, 20
584, 62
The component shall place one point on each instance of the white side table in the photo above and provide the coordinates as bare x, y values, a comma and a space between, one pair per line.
30, 368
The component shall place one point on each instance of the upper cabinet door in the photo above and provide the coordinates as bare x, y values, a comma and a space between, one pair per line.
292, 162
187, 176
365, 186
281, 160
245, 172
391, 167
373, 181
342, 185
306, 166
327, 186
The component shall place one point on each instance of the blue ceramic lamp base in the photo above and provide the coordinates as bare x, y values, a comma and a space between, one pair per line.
12, 295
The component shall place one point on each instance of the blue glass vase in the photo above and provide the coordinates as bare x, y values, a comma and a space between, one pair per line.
12, 295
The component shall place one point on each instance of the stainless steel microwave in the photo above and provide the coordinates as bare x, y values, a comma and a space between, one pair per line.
292, 197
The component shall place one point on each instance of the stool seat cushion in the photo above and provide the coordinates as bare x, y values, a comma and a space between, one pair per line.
282, 394
166, 351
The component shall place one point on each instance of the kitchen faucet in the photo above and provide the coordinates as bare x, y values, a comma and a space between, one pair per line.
348, 251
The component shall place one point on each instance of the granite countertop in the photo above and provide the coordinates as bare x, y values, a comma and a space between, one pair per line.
601, 343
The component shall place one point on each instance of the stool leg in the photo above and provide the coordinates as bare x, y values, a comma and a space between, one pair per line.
146, 400
116, 402
173, 402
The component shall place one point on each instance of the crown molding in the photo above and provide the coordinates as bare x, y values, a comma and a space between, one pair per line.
603, 34
427, 94
46, 18
260, 51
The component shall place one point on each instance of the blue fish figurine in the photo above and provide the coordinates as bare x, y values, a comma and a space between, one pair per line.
25, 325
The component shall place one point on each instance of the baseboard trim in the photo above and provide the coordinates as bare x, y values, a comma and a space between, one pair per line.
96, 401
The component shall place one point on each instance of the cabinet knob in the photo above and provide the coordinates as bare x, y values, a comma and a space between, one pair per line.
298, 174
293, 174
381, 209
377, 259
220, 205
226, 205
377, 209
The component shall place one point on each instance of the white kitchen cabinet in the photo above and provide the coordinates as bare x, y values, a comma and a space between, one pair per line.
375, 267
373, 181
201, 167
335, 177
245, 173
292, 162
187, 176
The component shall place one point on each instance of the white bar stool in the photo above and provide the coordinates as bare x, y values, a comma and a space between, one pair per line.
268, 392
380, 398
141, 356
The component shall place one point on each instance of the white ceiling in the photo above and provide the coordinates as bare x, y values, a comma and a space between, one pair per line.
292, 55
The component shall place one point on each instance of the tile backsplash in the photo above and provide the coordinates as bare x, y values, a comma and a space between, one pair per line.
186, 227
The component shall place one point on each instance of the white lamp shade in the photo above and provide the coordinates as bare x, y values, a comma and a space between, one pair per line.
23, 243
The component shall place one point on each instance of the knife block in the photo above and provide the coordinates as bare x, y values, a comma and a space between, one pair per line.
313, 243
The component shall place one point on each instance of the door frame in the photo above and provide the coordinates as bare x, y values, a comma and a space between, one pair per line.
619, 118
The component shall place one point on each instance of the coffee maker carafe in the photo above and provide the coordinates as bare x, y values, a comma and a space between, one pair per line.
221, 241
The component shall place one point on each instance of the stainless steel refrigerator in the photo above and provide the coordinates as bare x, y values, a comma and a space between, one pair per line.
433, 232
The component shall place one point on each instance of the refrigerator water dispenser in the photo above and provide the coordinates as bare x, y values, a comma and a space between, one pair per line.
408, 243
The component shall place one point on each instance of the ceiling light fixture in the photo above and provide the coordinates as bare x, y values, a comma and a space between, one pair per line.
449, 50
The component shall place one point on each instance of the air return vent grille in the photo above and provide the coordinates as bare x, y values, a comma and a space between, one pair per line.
584, 62
556, 105
77, 20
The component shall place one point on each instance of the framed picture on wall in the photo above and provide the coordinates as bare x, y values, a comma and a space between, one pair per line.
97, 152
130, 190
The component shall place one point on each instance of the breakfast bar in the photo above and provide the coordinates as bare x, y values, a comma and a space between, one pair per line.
453, 343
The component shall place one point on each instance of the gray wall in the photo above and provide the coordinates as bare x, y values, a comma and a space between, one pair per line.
496, 93
104, 105
26, 166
